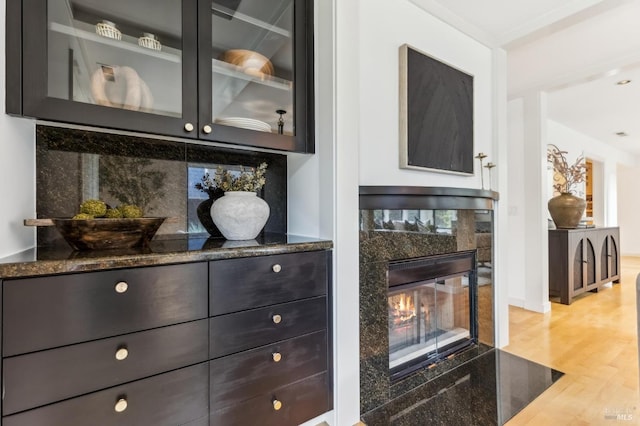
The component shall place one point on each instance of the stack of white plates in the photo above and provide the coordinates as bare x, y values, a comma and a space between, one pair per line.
245, 123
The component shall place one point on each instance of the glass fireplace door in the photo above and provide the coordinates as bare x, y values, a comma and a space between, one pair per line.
428, 319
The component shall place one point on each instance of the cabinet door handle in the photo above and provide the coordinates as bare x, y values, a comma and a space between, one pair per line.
276, 268
121, 287
121, 405
277, 405
122, 353
188, 127
206, 129
277, 356
276, 319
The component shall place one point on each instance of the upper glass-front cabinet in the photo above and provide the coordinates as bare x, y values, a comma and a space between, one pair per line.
233, 71
257, 70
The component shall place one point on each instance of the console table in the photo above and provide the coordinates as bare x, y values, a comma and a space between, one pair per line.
582, 260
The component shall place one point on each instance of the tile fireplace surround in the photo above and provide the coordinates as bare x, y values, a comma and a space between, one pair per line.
399, 223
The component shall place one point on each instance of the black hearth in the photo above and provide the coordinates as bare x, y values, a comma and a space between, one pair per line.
432, 310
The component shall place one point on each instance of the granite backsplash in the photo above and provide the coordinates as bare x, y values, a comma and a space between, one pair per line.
73, 165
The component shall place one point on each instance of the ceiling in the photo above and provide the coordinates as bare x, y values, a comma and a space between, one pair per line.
575, 50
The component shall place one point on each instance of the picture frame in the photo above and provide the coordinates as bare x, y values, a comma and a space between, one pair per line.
436, 114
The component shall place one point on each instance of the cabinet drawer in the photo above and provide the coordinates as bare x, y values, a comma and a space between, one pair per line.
238, 377
300, 401
48, 376
249, 329
171, 399
45, 312
238, 284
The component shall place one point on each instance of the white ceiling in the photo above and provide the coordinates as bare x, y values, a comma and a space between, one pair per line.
576, 50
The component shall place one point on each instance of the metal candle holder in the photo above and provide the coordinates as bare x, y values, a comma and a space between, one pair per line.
489, 166
481, 156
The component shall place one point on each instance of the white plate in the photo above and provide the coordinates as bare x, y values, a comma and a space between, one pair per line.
245, 123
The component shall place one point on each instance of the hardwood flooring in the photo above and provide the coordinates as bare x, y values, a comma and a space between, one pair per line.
594, 342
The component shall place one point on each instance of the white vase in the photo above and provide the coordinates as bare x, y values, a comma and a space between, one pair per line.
240, 215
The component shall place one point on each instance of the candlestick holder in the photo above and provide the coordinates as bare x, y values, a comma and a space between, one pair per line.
489, 166
481, 156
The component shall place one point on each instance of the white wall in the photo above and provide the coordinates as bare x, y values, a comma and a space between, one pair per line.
17, 170
517, 205
629, 206
379, 77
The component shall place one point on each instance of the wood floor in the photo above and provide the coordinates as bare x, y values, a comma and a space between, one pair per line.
594, 342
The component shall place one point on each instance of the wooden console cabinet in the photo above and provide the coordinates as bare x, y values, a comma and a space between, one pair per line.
582, 260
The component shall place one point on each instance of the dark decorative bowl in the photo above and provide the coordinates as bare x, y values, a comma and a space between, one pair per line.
101, 234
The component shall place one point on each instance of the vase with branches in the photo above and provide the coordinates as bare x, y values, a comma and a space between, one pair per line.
566, 209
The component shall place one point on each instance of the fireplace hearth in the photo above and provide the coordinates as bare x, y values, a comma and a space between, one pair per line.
432, 310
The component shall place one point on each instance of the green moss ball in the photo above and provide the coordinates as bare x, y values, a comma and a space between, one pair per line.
130, 211
82, 216
113, 214
95, 208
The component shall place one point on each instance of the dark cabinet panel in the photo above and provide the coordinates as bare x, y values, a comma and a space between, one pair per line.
46, 312
286, 406
257, 327
582, 260
170, 399
238, 284
49, 376
236, 378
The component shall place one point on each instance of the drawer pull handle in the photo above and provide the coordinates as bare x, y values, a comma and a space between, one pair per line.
121, 405
206, 129
276, 319
276, 268
122, 287
122, 354
277, 356
188, 127
277, 405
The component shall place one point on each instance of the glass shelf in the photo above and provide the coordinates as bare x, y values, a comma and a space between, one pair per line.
121, 44
250, 20
231, 70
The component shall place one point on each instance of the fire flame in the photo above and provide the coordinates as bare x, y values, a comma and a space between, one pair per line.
402, 308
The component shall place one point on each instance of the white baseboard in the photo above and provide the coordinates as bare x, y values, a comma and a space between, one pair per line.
517, 302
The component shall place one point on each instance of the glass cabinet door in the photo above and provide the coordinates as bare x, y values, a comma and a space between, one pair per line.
118, 63
255, 69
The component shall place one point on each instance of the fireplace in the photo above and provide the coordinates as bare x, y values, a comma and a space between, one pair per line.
426, 286
432, 310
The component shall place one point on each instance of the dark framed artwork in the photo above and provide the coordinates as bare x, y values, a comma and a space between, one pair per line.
436, 114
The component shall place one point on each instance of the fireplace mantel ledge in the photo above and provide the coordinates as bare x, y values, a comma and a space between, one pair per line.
426, 197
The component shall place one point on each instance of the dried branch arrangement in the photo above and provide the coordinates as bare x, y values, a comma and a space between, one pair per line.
572, 174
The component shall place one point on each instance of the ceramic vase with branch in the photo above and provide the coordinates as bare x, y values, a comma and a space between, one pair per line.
566, 209
240, 214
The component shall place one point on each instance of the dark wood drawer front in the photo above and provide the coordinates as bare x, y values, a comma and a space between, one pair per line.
238, 377
246, 330
42, 313
175, 398
238, 284
300, 401
48, 376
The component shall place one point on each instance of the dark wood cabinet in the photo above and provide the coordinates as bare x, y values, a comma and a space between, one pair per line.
209, 70
147, 345
174, 398
270, 361
43, 313
582, 260
43, 377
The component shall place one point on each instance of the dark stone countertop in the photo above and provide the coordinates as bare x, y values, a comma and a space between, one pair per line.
161, 251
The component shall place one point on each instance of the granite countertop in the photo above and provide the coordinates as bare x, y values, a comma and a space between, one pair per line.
162, 250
